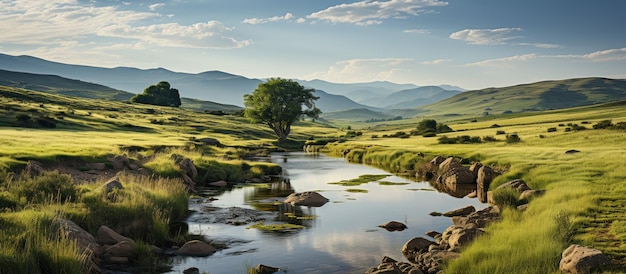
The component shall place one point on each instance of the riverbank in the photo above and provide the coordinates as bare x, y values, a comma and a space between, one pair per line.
584, 189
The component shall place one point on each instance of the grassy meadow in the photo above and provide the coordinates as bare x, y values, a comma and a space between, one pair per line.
584, 202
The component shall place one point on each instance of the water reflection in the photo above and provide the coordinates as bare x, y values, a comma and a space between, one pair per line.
454, 190
341, 237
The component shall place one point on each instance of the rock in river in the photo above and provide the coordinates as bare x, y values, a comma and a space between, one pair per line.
309, 198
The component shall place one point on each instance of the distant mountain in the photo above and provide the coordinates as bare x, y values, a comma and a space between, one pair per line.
411, 98
76, 88
379, 87
543, 95
215, 86
361, 114
329, 102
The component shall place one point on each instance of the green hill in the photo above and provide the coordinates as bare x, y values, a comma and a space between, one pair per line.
75, 88
538, 96
361, 114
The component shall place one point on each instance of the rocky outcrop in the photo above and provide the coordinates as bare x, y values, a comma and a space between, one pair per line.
484, 177
416, 246
458, 175
87, 244
265, 269
34, 168
460, 212
210, 141
120, 161
449, 164
391, 266
393, 226
187, 166
437, 160
112, 185
196, 248
107, 236
309, 198
517, 184
582, 259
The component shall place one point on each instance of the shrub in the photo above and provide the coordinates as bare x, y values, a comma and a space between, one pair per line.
47, 122
603, 124
495, 126
552, 129
489, 139
49, 187
513, 138
500, 132
429, 134
23, 118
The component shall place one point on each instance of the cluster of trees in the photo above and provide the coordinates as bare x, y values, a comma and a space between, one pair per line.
161, 94
430, 128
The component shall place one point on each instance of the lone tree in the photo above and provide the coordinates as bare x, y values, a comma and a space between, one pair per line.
279, 103
161, 94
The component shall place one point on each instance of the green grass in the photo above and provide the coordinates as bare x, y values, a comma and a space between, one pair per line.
385, 183
357, 190
280, 227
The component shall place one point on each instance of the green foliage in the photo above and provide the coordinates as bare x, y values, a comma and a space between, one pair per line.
463, 139
513, 138
430, 128
506, 197
49, 187
363, 179
278, 103
160, 94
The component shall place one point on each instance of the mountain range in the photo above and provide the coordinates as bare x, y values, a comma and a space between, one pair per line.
215, 86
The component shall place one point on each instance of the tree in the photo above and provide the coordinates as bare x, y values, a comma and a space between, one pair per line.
161, 94
279, 103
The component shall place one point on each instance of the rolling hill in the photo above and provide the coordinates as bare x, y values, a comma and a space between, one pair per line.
75, 88
411, 98
537, 96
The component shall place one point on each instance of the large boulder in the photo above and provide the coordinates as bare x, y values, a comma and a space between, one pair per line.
448, 164
196, 248
415, 246
309, 198
461, 236
210, 141
188, 167
86, 242
459, 175
582, 259
393, 226
437, 160
484, 178
121, 249
475, 167
107, 236
120, 161
517, 184
112, 185
531, 194
460, 212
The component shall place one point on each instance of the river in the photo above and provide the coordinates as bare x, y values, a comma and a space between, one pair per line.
342, 236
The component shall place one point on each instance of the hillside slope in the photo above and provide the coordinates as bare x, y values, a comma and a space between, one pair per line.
529, 97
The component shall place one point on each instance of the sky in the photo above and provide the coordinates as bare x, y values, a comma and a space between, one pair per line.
468, 43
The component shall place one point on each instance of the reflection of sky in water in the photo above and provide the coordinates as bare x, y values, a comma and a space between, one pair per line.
344, 237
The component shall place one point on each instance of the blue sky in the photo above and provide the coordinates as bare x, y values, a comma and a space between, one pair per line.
469, 43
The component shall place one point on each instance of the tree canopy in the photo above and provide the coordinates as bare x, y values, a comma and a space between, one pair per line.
161, 94
279, 103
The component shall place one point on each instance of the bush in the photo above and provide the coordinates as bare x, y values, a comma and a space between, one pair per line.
512, 138
500, 132
46, 122
49, 187
603, 124
552, 129
489, 139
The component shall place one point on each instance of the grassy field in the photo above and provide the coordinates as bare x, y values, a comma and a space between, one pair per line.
585, 191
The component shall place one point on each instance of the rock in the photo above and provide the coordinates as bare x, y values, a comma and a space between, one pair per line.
448, 164
459, 175
414, 246
582, 259
188, 167
461, 236
432, 234
191, 184
309, 198
210, 141
107, 236
264, 269
472, 195
86, 242
393, 226
118, 260
112, 185
517, 184
218, 184
34, 168
522, 207
384, 268
572, 151
483, 180
120, 161
121, 249
191, 270
389, 260
196, 248
474, 168
531, 193
437, 160
460, 212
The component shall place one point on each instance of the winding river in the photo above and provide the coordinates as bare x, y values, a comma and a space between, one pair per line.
342, 236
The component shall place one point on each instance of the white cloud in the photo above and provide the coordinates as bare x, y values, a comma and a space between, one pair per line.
610, 55
363, 70
504, 60
417, 31
539, 45
156, 6
374, 12
435, 62
52, 22
606, 55
486, 36
256, 21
